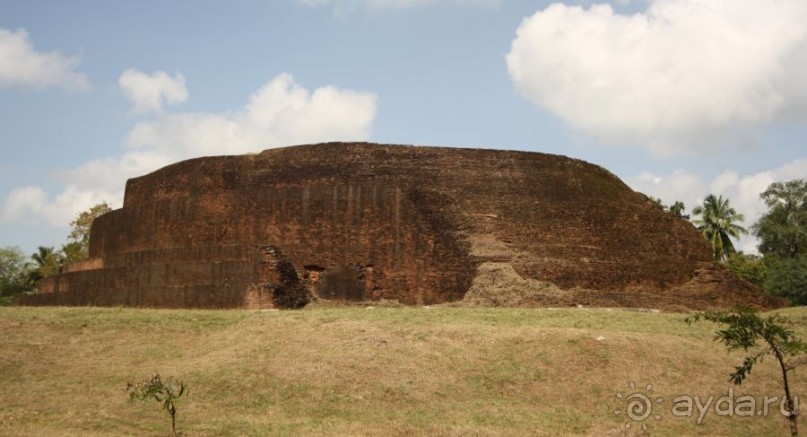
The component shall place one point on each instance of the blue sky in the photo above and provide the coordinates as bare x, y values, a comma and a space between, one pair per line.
679, 98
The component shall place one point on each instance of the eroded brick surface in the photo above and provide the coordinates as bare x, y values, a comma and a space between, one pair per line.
365, 221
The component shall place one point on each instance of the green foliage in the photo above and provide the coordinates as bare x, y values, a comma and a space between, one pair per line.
13, 269
656, 201
78, 244
787, 277
15, 274
19, 276
718, 223
48, 262
677, 209
783, 229
74, 251
165, 392
746, 330
748, 267
12, 261
782, 232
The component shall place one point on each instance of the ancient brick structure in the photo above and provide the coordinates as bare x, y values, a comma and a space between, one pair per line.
361, 221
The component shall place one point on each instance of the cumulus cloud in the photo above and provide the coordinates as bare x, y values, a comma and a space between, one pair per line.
32, 205
681, 74
22, 66
150, 92
280, 113
341, 6
742, 190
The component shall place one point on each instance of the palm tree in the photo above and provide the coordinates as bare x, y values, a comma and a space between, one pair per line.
47, 261
718, 223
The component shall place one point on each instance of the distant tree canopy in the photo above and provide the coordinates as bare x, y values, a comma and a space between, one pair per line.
787, 277
717, 221
15, 274
78, 244
677, 209
18, 274
782, 232
12, 261
74, 251
48, 261
748, 267
656, 201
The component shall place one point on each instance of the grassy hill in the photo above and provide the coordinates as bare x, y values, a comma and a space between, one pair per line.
372, 371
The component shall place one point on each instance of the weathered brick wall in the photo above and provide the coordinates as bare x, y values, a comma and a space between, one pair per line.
364, 221
156, 278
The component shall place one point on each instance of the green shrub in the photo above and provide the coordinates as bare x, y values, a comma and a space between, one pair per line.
748, 267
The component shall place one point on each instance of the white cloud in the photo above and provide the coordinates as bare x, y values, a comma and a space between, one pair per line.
342, 6
742, 191
32, 205
150, 92
22, 66
680, 185
681, 74
280, 113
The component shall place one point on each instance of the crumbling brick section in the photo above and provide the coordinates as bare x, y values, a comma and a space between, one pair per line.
358, 221
278, 285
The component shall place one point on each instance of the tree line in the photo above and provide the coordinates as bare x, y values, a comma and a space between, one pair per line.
781, 267
20, 273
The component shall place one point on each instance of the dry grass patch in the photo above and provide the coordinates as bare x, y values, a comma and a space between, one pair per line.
358, 371
499, 285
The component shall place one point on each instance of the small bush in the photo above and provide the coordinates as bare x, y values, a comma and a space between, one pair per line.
749, 268
166, 392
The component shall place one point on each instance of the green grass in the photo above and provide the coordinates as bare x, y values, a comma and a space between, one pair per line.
359, 371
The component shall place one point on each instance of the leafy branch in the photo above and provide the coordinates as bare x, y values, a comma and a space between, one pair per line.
746, 330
